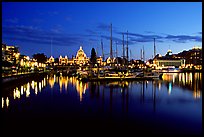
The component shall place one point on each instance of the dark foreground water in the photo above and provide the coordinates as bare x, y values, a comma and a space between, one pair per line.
65, 106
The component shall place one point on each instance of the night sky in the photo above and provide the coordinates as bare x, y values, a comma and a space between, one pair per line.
33, 25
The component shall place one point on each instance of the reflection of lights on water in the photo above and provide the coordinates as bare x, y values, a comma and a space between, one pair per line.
173, 79
28, 90
36, 90
54, 78
33, 84
44, 82
190, 77
60, 83
121, 90
180, 76
21, 90
85, 86
51, 82
159, 86
66, 83
16, 93
39, 86
80, 84
7, 102
2, 102
81, 88
183, 78
169, 89
196, 95
47, 76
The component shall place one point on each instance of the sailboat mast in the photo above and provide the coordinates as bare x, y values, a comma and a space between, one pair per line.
102, 49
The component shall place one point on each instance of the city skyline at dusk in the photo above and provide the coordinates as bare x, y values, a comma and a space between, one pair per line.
34, 27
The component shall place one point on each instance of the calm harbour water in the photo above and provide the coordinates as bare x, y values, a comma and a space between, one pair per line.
65, 105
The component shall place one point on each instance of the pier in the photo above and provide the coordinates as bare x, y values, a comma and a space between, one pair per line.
12, 79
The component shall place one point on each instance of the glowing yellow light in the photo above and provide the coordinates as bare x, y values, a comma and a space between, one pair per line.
44, 82
39, 86
33, 84
7, 102
173, 79
14, 94
54, 78
2, 102
66, 83
28, 90
36, 90
21, 90
27, 57
18, 93
60, 83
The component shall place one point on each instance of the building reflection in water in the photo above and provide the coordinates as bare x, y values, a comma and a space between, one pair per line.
5, 103
39, 83
28, 90
25, 90
63, 81
2, 102
52, 80
16, 93
191, 81
81, 88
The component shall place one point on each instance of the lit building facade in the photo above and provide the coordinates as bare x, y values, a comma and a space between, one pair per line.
80, 59
10, 54
169, 60
193, 57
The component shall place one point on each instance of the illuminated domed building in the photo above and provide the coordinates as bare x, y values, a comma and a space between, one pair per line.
80, 59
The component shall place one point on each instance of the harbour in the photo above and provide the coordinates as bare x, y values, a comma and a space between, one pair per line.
101, 69
120, 105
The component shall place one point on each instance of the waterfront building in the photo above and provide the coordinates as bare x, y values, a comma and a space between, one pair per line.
63, 60
169, 60
80, 59
51, 60
10, 54
193, 57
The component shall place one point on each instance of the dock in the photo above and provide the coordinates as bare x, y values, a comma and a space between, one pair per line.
117, 79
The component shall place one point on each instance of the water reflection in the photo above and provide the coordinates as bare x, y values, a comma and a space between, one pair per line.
81, 88
140, 102
2, 102
25, 89
5, 103
191, 81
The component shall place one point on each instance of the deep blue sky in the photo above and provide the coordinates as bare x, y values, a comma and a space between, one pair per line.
32, 25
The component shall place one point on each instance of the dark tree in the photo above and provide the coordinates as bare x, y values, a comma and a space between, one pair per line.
93, 58
40, 57
56, 60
